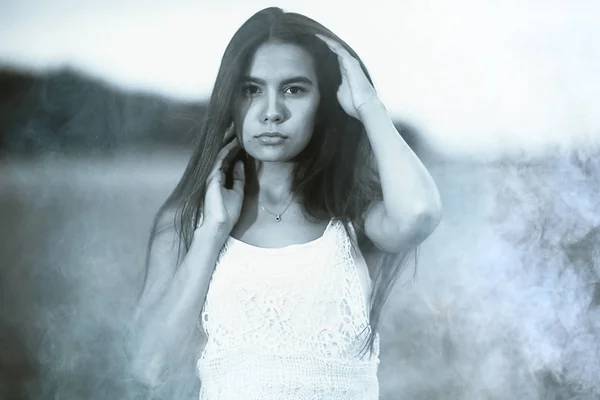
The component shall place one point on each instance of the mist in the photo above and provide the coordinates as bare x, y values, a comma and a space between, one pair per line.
506, 300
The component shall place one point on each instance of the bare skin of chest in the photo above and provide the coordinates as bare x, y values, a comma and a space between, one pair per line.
258, 228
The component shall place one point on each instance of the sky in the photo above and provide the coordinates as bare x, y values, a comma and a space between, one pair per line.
473, 76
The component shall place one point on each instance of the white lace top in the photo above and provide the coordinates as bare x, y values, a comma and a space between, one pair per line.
289, 323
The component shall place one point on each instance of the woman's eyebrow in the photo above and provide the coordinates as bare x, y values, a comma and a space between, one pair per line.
287, 81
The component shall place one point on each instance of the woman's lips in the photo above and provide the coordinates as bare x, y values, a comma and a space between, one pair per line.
271, 138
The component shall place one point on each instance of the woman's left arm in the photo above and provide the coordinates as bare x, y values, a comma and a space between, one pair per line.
411, 208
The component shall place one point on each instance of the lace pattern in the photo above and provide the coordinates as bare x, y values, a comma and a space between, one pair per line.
287, 323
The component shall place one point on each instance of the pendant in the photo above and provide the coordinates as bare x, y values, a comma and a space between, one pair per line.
278, 218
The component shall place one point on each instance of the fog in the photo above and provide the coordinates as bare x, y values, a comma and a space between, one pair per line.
505, 304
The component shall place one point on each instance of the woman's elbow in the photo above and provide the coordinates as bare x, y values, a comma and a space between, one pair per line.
148, 371
145, 366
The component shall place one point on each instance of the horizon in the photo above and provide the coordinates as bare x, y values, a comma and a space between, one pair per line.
482, 78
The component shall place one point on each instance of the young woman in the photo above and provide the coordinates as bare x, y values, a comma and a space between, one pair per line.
291, 223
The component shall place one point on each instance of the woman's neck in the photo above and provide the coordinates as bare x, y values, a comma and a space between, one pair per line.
274, 182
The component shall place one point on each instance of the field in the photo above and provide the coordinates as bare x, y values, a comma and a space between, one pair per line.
505, 304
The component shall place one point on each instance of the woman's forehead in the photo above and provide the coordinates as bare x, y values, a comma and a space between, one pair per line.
281, 61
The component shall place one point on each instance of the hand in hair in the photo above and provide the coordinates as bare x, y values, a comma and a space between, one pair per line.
355, 90
223, 205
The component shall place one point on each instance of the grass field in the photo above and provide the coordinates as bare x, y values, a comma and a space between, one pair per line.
505, 305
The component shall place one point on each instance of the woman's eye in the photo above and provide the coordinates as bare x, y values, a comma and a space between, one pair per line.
295, 90
251, 89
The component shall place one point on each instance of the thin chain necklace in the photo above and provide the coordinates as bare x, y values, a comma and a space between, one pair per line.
277, 216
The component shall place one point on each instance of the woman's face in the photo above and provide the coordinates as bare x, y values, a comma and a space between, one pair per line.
279, 98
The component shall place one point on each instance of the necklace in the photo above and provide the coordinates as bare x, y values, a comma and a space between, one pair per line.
277, 216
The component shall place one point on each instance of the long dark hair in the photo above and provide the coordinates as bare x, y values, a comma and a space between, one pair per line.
334, 174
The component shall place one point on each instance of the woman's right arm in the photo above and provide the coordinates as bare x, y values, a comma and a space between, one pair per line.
170, 306
173, 297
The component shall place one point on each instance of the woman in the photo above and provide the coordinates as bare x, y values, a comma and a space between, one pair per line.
292, 221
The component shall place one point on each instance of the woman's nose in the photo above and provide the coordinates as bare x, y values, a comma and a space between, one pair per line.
274, 111
273, 116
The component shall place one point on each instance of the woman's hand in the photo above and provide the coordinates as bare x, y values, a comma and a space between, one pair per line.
355, 90
222, 206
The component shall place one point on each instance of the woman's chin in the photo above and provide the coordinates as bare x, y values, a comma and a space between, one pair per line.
271, 154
